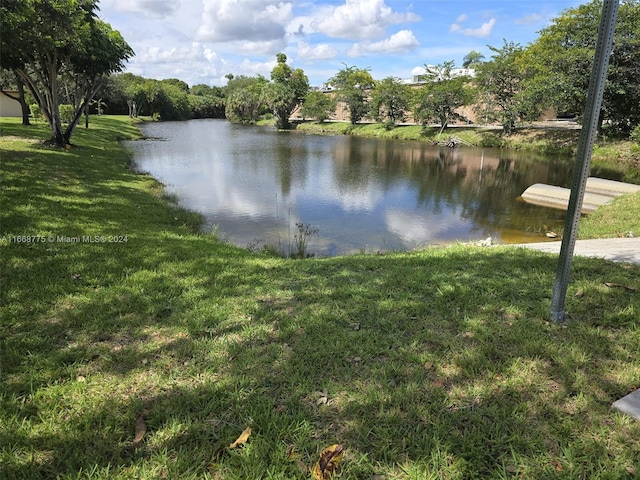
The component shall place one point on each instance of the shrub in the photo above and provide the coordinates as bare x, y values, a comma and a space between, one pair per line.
36, 113
66, 113
635, 135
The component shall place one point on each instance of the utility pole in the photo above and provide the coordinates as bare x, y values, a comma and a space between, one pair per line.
583, 156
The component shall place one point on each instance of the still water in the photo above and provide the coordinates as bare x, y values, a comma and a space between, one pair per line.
254, 184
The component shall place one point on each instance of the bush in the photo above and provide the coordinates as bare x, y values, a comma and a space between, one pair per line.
36, 113
66, 112
635, 135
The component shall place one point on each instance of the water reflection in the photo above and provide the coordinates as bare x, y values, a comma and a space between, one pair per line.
363, 194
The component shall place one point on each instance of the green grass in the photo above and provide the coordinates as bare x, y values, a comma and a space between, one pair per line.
431, 364
552, 140
616, 219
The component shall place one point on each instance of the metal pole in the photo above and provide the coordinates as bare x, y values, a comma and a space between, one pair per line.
583, 156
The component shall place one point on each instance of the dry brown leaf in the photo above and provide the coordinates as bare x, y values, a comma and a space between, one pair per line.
626, 287
322, 398
141, 429
328, 463
301, 466
242, 439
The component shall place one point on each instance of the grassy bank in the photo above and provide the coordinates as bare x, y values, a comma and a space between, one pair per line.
145, 349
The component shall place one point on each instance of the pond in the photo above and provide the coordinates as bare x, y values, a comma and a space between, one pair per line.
259, 187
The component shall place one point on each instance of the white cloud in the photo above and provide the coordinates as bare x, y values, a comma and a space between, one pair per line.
249, 68
175, 54
250, 20
400, 42
150, 8
482, 32
530, 18
322, 51
193, 64
360, 19
259, 48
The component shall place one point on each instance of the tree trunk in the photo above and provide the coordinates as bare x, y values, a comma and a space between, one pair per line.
23, 103
24, 108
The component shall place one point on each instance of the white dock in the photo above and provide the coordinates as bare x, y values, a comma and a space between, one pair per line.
598, 192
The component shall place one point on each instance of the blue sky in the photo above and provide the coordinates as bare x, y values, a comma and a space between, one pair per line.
200, 41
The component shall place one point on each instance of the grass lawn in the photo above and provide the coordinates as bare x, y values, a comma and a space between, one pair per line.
134, 347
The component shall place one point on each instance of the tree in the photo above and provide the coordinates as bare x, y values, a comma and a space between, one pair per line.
562, 57
15, 81
70, 40
472, 59
318, 105
442, 94
172, 102
286, 91
390, 100
244, 102
503, 80
206, 101
352, 84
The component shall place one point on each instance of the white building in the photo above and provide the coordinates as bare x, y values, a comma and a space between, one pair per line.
8, 106
418, 73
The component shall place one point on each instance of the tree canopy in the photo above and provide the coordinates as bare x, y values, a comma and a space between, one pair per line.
390, 101
442, 95
563, 55
71, 40
352, 84
286, 91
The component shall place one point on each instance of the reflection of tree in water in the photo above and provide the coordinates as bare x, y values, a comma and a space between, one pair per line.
480, 185
292, 162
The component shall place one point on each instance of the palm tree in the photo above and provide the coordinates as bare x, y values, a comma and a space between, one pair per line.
472, 59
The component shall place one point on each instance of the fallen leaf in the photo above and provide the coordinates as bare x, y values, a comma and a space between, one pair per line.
322, 397
141, 429
631, 470
579, 293
301, 466
328, 463
242, 439
613, 285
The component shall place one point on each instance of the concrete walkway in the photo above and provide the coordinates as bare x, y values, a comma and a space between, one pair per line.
616, 249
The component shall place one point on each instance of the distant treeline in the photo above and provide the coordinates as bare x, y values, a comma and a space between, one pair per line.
170, 99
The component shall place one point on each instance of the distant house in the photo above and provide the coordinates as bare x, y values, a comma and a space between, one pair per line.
8, 106
418, 73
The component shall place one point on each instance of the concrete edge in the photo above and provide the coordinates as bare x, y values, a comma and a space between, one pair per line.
629, 404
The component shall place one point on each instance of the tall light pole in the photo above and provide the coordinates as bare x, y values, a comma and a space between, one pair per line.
583, 157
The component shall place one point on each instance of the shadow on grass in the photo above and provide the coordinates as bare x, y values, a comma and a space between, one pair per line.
423, 363
431, 364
